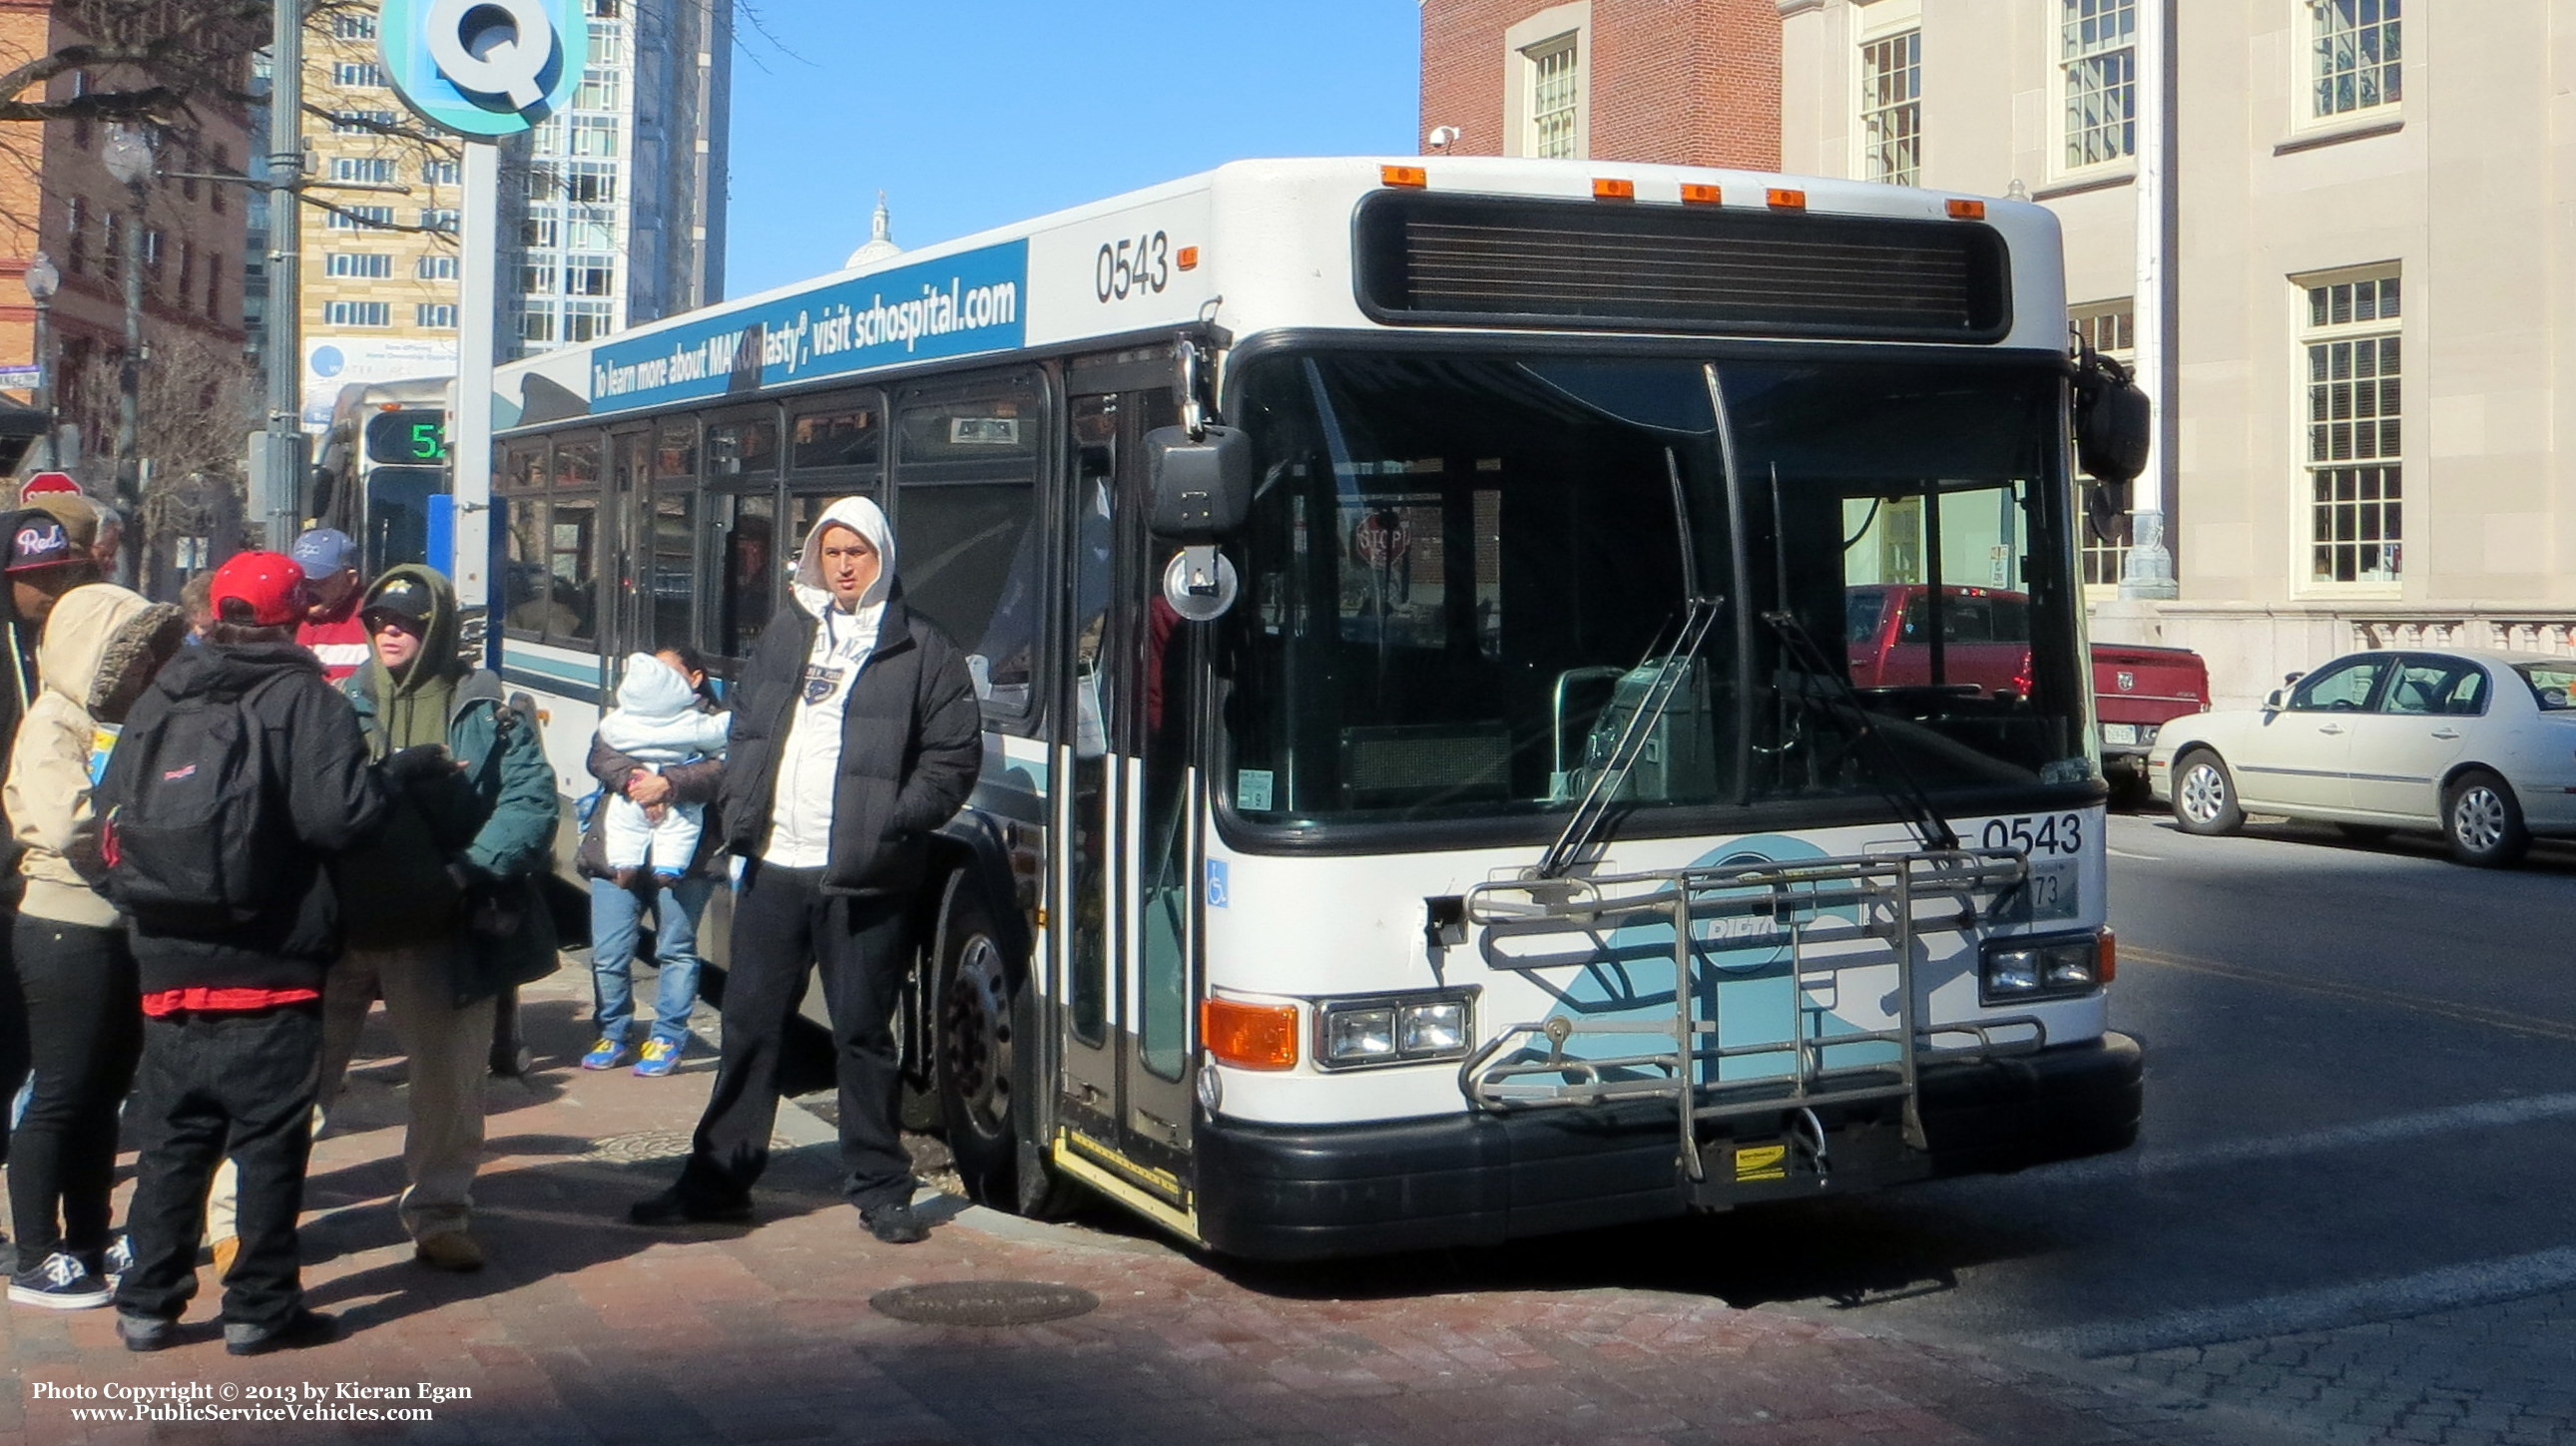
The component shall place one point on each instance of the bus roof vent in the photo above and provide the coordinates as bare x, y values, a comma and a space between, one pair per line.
1432, 259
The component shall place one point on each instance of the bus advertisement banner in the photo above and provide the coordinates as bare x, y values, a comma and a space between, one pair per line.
952, 307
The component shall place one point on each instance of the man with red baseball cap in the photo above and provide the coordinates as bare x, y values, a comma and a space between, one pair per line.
232, 1031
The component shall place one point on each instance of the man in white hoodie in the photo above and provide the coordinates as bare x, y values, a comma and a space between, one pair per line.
856, 734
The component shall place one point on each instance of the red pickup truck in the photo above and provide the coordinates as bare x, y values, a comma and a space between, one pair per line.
1985, 640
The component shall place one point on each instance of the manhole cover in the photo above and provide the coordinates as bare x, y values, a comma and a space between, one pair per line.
984, 1302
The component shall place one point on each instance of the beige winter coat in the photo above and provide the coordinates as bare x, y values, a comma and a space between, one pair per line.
100, 645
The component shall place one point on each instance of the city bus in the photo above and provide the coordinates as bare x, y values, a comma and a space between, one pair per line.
380, 471
1426, 800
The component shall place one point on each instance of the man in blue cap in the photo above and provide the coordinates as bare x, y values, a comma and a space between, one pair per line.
332, 584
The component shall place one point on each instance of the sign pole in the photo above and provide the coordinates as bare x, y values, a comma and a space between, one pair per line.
469, 446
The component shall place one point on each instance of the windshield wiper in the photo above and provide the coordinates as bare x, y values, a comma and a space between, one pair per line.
1896, 784
1593, 812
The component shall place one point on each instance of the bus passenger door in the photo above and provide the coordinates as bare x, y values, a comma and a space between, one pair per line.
1129, 826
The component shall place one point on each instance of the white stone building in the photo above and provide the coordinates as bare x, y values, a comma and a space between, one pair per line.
2373, 285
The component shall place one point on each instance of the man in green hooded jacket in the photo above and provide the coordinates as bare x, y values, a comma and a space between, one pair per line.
439, 915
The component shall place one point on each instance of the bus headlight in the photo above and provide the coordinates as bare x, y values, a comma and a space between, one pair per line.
2024, 969
1354, 1033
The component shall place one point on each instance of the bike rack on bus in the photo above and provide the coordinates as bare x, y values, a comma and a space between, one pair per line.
1832, 915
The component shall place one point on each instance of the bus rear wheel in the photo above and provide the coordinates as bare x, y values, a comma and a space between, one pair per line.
985, 1023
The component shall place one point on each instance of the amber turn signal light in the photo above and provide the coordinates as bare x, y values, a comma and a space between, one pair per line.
1967, 210
1606, 189
2109, 968
1697, 195
1785, 199
1404, 175
1249, 1036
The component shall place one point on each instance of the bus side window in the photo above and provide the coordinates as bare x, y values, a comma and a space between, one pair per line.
966, 544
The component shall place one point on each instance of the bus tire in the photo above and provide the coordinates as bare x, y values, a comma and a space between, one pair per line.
2204, 795
2482, 821
981, 1013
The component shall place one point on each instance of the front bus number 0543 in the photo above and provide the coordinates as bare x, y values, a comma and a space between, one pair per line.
1127, 268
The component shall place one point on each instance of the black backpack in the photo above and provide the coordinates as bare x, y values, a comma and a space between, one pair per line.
195, 835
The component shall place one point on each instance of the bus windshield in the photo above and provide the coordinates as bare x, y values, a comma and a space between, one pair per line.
1466, 580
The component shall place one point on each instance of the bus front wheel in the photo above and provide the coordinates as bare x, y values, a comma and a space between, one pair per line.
986, 1022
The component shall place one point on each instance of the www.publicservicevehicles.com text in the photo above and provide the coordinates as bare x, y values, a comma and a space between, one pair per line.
214, 1401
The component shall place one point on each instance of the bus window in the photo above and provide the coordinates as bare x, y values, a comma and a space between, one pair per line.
577, 464
675, 450
523, 470
970, 560
674, 568
844, 437
523, 587
747, 449
569, 599
747, 592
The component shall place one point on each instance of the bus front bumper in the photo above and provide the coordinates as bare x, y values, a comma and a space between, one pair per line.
1270, 1192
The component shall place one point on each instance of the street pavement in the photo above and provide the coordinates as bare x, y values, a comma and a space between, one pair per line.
586, 1330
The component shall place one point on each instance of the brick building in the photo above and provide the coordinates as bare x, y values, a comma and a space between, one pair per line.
57, 197
1689, 82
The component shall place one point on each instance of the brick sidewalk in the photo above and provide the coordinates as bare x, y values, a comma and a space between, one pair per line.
586, 1330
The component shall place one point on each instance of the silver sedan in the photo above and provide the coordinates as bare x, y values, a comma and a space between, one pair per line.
2480, 745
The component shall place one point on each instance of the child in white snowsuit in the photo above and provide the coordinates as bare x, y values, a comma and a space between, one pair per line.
656, 722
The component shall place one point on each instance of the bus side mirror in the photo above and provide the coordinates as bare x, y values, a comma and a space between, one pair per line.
1201, 487
1202, 490
2113, 422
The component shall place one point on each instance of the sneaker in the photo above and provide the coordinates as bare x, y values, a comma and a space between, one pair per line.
115, 1260
609, 1053
660, 1057
454, 1251
304, 1328
672, 1208
895, 1223
63, 1282
146, 1332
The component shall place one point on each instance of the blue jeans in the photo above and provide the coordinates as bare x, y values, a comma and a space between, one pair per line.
616, 918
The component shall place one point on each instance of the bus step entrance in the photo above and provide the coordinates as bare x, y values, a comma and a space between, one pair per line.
1775, 1005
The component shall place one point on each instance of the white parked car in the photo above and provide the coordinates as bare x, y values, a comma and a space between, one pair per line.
2480, 745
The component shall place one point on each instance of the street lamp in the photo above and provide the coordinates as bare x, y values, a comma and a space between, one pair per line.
128, 157
42, 282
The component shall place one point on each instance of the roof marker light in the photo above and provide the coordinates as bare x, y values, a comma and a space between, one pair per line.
1606, 189
1782, 199
1188, 257
1403, 176
1967, 210
1698, 195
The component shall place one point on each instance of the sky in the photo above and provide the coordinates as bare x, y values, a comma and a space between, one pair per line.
978, 113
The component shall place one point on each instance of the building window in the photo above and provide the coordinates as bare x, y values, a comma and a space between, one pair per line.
589, 275
223, 167
435, 268
361, 218
2109, 327
187, 273
349, 263
2354, 406
1554, 74
111, 249
438, 315
353, 27
585, 320
1891, 109
599, 90
2356, 55
2097, 59
441, 173
353, 73
360, 122
214, 283
592, 135
76, 231
364, 170
537, 324
443, 218
357, 313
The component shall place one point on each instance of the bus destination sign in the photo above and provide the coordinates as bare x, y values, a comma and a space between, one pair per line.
412, 437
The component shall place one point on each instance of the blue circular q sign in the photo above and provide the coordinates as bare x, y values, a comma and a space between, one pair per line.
484, 67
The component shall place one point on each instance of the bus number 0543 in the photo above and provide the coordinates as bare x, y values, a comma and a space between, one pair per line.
1127, 268
2057, 834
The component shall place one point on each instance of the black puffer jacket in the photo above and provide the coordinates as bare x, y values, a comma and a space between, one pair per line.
332, 801
912, 742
